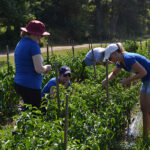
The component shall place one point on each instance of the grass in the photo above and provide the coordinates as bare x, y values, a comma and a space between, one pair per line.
65, 52
3, 60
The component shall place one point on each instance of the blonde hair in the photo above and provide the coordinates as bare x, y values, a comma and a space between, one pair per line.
120, 48
24, 34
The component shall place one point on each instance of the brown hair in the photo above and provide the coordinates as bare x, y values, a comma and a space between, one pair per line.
120, 48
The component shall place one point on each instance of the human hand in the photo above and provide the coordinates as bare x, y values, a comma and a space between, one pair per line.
110, 62
104, 83
48, 68
66, 83
125, 81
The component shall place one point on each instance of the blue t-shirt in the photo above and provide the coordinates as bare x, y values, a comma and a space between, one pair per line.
25, 73
50, 83
98, 56
131, 58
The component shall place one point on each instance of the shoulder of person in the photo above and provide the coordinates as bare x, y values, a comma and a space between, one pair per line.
52, 79
99, 48
129, 55
69, 83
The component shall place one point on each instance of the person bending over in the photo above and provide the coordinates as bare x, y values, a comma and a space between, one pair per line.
140, 66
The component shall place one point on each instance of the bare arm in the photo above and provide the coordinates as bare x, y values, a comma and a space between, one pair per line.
111, 75
140, 73
39, 68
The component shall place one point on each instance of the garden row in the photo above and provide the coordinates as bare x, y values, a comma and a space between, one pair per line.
93, 122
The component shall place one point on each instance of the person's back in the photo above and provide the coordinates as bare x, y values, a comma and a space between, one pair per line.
131, 58
25, 71
29, 68
98, 56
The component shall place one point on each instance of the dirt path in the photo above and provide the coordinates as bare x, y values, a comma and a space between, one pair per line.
57, 48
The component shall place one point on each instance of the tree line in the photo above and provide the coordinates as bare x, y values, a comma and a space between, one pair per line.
80, 20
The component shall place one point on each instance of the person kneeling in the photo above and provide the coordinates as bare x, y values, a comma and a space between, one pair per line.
63, 78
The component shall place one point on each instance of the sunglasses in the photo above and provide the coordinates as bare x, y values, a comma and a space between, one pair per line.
68, 74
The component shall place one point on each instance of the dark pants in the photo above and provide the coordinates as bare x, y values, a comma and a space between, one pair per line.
30, 96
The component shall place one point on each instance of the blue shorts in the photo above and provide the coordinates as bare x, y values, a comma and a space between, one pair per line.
146, 87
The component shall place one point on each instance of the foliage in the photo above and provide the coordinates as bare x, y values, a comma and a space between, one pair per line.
8, 97
13, 16
94, 122
130, 46
78, 20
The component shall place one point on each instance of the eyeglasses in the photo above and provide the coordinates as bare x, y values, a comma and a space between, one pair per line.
68, 74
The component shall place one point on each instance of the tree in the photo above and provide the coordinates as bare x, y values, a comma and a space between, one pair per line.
13, 14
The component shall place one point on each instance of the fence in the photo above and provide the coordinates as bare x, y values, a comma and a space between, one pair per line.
5, 54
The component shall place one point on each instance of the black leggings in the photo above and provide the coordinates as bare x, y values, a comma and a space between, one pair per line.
30, 96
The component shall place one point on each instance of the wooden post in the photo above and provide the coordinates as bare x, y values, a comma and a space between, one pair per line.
134, 46
73, 47
146, 43
51, 47
107, 88
89, 43
66, 124
140, 44
57, 86
94, 61
47, 53
107, 83
7, 58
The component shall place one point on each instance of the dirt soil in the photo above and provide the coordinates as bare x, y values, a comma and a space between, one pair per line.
58, 48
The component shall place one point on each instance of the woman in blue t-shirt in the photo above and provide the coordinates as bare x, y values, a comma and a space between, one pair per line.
137, 64
28, 63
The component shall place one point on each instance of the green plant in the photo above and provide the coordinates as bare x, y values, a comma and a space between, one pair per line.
130, 46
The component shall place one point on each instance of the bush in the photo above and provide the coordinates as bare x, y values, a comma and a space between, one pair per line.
131, 46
